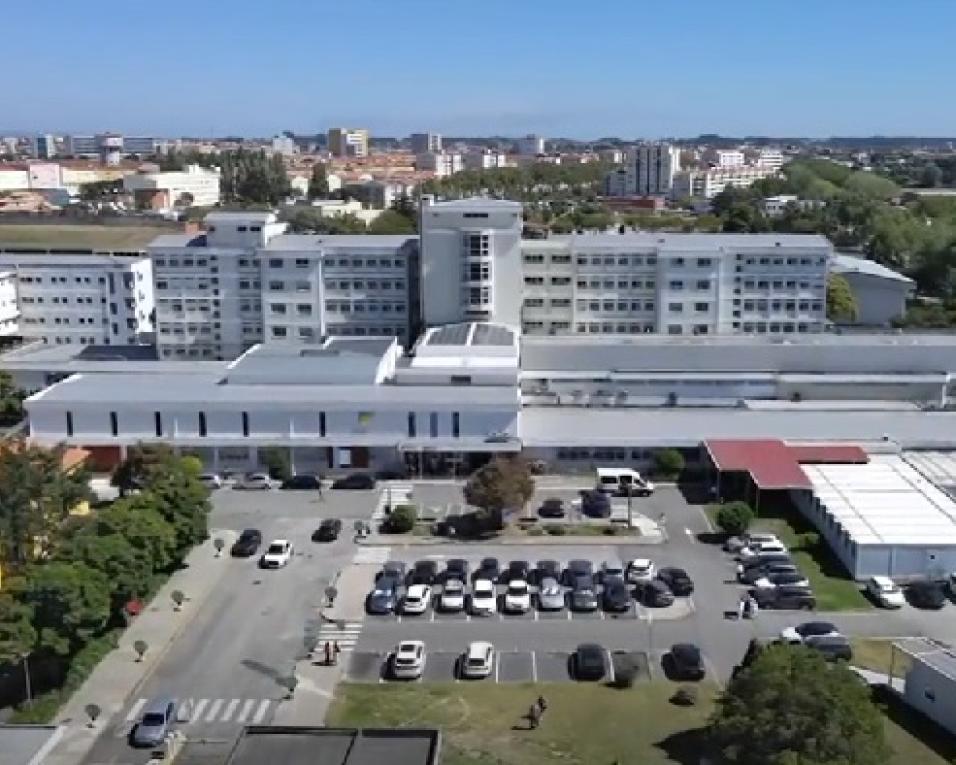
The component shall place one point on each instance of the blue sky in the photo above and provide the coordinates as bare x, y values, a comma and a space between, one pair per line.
632, 68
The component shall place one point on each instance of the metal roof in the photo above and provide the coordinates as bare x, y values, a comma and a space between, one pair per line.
492, 334
330, 241
842, 263
450, 334
652, 240
337, 361
935, 654
769, 462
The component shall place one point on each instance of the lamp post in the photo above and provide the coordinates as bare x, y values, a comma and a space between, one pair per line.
26, 678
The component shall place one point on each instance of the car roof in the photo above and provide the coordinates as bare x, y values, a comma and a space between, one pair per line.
279, 542
807, 626
417, 589
641, 562
513, 582
482, 583
881, 580
158, 704
590, 648
549, 581
479, 647
250, 532
454, 583
672, 570
687, 649
426, 564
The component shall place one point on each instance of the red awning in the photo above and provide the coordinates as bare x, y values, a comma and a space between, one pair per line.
829, 454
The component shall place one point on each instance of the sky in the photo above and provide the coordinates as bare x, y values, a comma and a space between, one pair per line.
627, 68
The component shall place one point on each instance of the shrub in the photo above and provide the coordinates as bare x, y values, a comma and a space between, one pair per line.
276, 461
807, 540
625, 676
610, 531
685, 696
734, 518
669, 462
536, 531
556, 529
402, 519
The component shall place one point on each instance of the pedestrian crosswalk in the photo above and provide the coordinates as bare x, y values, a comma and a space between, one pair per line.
394, 493
207, 711
372, 554
347, 636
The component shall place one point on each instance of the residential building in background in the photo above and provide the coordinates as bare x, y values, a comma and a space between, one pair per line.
531, 145
730, 158
648, 170
348, 142
673, 284
192, 186
772, 158
109, 148
284, 145
485, 159
423, 143
442, 163
706, 184
880, 292
9, 307
77, 297
44, 146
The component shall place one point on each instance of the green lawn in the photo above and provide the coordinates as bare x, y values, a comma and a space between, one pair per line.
483, 723
95, 237
876, 654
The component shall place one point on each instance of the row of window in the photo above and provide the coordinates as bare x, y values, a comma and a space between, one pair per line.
433, 425
340, 263
537, 302
185, 262
65, 320
620, 284
82, 340
781, 305
333, 306
60, 300
793, 261
554, 281
609, 329
612, 305
779, 284
61, 279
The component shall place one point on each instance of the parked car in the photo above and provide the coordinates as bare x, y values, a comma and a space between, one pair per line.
584, 593
640, 570
247, 544
452, 596
547, 569
832, 647
611, 571
489, 569
595, 504
517, 569
754, 551
758, 538
787, 596
655, 593
686, 662
211, 480
616, 598
393, 568
677, 580
408, 660
755, 571
517, 597
423, 572
277, 555
253, 482
808, 629
926, 594
550, 595
355, 481
552, 508
478, 660
302, 481
484, 598
417, 599
157, 721
782, 577
763, 559
456, 568
589, 662
328, 530
384, 598
575, 569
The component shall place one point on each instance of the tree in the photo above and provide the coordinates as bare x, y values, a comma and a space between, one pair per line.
129, 574
503, 484
734, 518
277, 463
841, 302
669, 462
318, 182
11, 400
402, 519
790, 706
932, 176
17, 636
70, 601
391, 222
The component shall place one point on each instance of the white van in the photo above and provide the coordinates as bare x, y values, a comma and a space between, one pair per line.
621, 481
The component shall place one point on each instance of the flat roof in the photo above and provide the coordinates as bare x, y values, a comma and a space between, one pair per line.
937, 655
650, 239
335, 361
842, 263
885, 502
27, 744
336, 746
295, 242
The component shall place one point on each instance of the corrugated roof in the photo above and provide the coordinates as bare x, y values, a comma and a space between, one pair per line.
850, 264
652, 240
846, 454
770, 463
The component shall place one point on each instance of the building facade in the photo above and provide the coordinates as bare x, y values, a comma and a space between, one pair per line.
348, 142
109, 146
81, 297
442, 163
485, 159
706, 184
9, 308
193, 186
423, 143
648, 170
530, 145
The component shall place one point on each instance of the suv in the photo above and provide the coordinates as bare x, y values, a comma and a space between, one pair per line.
677, 580
357, 481
786, 596
247, 544
832, 647
328, 530
552, 508
302, 481
595, 504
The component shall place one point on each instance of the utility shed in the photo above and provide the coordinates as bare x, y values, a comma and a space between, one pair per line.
883, 517
931, 680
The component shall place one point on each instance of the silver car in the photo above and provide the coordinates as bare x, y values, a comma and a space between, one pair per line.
156, 722
550, 595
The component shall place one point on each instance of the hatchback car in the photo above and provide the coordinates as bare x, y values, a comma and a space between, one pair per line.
328, 530
484, 598
547, 569
787, 596
782, 577
384, 598
253, 482
408, 660
640, 570
355, 481
752, 573
211, 480
552, 508
478, 660
417, 599
677, 580
550, 595
247, 544
589, 662
302, 482
616, 598
456, 568
517, 597
926, 594
156, 722
885, 592
686, 662
452, 596
277, 555
754, 552
611, 570
393, 568
655, 594
583, 594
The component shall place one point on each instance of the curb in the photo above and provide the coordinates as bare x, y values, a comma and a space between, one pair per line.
568, 540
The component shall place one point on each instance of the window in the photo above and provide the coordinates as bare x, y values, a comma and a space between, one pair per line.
304, 309
279, 332
678, 261
704, 262
703, 284
301, 262
701, 307
245, 424
202, 424
674, 329
560, 303
535, 259
275, 286
114, 424
306, 333
322, 424
411, 425
700, 329
158, 424
277, 308
533, 280
69, 424
433, 424
303, 287
676, 285
455, 425
534, 302
560, 280
275, 263
675, 307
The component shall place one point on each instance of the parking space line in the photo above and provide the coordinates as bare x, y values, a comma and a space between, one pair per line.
399, 618
569, 614
610, 665
432, 616
497, 665
534, 668
602, 614
536, 614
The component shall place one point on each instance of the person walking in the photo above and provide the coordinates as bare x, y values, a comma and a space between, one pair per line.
336, 651
542, 703
328, 653
753, 607
533, 716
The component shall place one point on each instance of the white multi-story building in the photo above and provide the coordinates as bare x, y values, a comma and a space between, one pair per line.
81, 298
423, 143
442, 163
9, 309
471, 261
284, 145
485, 159
193, 186
772, 158
530, 145
348, 142
707, 184
648, 170
674, 284
730, 158
245, 281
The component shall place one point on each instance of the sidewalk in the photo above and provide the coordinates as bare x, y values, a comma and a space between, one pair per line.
119, 674
317, 682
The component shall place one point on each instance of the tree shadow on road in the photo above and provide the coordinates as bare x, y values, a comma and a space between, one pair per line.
686, 747
262, 669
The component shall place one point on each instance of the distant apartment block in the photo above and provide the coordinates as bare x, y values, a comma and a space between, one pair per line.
44, 147
193, 186
730, 158
648, 170
531, 145
348, 142
109, 147
485, 159
68, 296
706, 184
771, 158
423, 143
441, 163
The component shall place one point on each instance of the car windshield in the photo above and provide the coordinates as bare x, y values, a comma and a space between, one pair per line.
476, 661
248, 535
888, 587
275, 549
153, 719
453, 588
517, 589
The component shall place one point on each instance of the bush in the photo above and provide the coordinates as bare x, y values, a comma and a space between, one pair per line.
807, 540
41, 711
685, 696
734, 518
556, 529
669, 462
536, 531
624, 677
610, 531
402, 519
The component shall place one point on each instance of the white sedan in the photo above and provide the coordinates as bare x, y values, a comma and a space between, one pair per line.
478, 660
277, 555
517, 597
641, 570
885, 592
408, 661
484, 598
253, 482
452, 596
417, 599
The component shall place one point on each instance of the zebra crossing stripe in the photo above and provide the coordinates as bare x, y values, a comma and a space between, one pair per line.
135, 710
246, 710
197, 709
213, 710
261, 712
230, 709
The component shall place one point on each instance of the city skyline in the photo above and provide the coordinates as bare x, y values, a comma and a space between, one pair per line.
640, 72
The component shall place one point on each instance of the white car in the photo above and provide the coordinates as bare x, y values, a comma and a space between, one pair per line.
408, 661
641, 570
277, 554
885, 592
484, 598
517, 597
253, 482
757, 538
795, 580
752, 552
452, 596
478, 660
417, 598
211, 480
